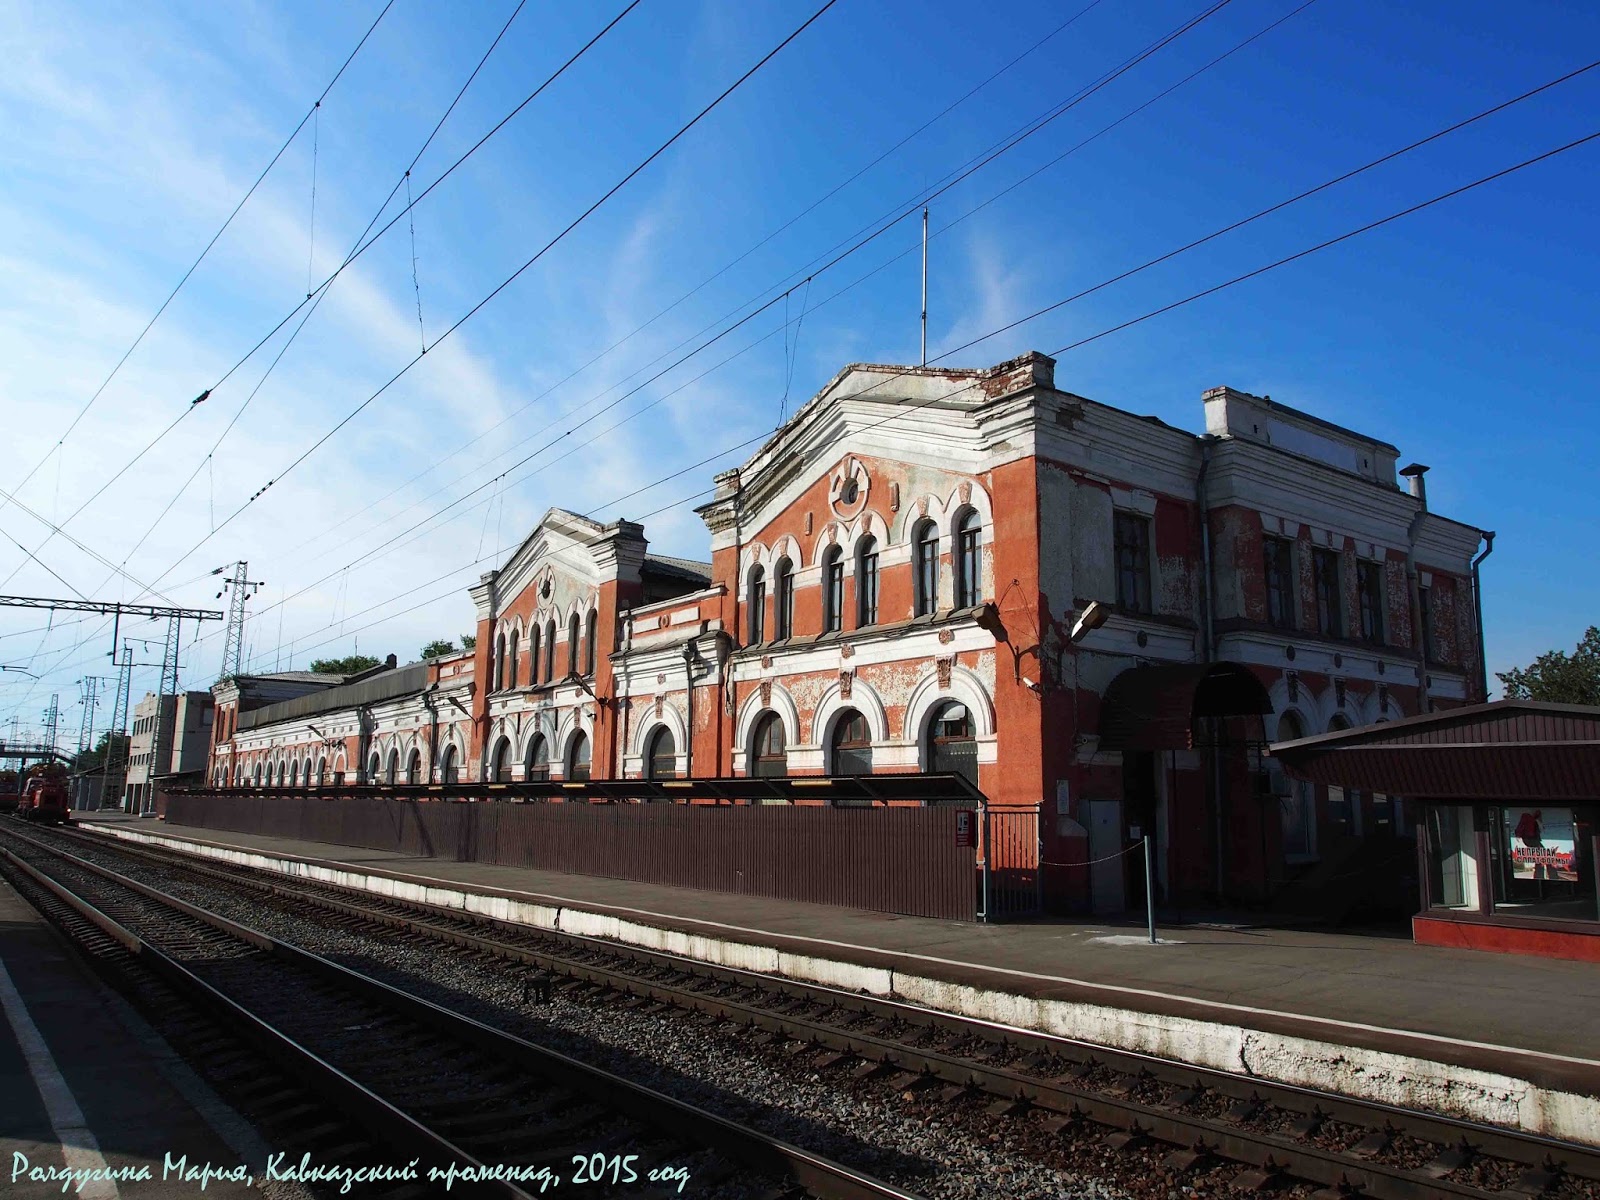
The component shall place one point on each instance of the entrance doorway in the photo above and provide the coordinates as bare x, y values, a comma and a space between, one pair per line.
1107, 880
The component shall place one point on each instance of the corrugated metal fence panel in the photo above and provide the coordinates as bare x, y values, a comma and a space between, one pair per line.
896, 859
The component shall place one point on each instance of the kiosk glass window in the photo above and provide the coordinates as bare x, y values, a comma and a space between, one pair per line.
1542, 860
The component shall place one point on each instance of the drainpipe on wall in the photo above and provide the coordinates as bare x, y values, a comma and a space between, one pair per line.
1477, 603
1208, 650
691, 655
432, 705
1419, 491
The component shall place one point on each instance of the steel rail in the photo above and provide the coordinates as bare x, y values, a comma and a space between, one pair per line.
819, 1176
1461, 1139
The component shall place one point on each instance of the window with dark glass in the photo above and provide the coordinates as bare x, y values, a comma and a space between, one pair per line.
769, 758
966, 564
499, 673
952, 745
578, 757
925, 564
537, 769
500, 762
549, 651
1279, 576
1370, 592
533, 655
867, 582
374, 764
447, 765
1325, 579
573, 649
756, 601
1131, 534
512, 644
852, 745
783, 599
414, 767
662, 759
832, 590
588, 643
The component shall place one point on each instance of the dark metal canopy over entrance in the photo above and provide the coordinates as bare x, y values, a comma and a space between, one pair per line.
1154, 708
1508, 750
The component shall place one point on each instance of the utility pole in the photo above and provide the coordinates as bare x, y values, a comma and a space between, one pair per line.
240, 589
116, 770
52, 717
91, 687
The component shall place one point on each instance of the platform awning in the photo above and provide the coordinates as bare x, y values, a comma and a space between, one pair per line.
1505, 751
1154, 707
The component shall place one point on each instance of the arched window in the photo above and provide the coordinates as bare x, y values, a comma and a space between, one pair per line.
283, 773
832, 590
511, 659
588, 642
533, 654
538, 764
500, 762
573, 649
294, 773
756, 601
1296, 799
549, 650
447, 765
392, 771
662, 755
414, 767
499, 673
867, 582
578, 756
952, 744
925, 563
783, 600
851, 744
374, 765
258, 774
968, 575
322, 771
769, 758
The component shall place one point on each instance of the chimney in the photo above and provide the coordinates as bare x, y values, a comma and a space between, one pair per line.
1419, 486
391, 662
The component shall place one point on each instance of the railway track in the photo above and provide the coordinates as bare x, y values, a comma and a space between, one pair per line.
440, 1100
1280, 1136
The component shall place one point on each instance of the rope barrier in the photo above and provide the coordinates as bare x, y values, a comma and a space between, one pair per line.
1091, 862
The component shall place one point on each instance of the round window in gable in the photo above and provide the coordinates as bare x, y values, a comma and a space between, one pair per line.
850, 492
544, 590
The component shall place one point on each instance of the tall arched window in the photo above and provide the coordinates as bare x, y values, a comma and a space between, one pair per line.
414, 767
258, 774
549, 650
661, 758
533, 654
391, 771
573, 648
578, 756
783, 600
851, 745
589, 626
500, 762
952, 743
538, 764
769, 757
374, 765
294, 773
967, 570
867, 581
925, 564
511, 659
447, 765
499, 672
322, 771
756, 601
832, 590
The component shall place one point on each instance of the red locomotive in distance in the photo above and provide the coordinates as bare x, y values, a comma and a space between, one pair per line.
44, 796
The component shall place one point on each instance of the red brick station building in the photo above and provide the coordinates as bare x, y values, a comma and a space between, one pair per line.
890, 587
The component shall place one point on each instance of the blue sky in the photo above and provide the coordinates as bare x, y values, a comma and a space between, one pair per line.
1464, 334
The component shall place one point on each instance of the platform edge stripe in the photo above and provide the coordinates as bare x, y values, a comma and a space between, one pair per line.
79, 1147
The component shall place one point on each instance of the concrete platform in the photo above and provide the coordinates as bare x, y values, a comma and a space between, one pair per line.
88, 1086
1513, 1042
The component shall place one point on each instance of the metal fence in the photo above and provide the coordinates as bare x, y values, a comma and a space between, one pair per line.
905, 860
1009, 881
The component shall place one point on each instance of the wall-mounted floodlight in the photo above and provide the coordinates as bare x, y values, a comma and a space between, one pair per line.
1090, 619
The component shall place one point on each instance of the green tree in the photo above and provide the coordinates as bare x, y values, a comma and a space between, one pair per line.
349, 665
437, 647
93, 760
1559, 678
469, 641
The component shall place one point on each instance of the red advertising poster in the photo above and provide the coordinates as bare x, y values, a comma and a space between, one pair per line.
1542, 843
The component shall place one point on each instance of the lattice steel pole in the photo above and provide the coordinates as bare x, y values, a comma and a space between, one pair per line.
52, 716
240, 589
116, 768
